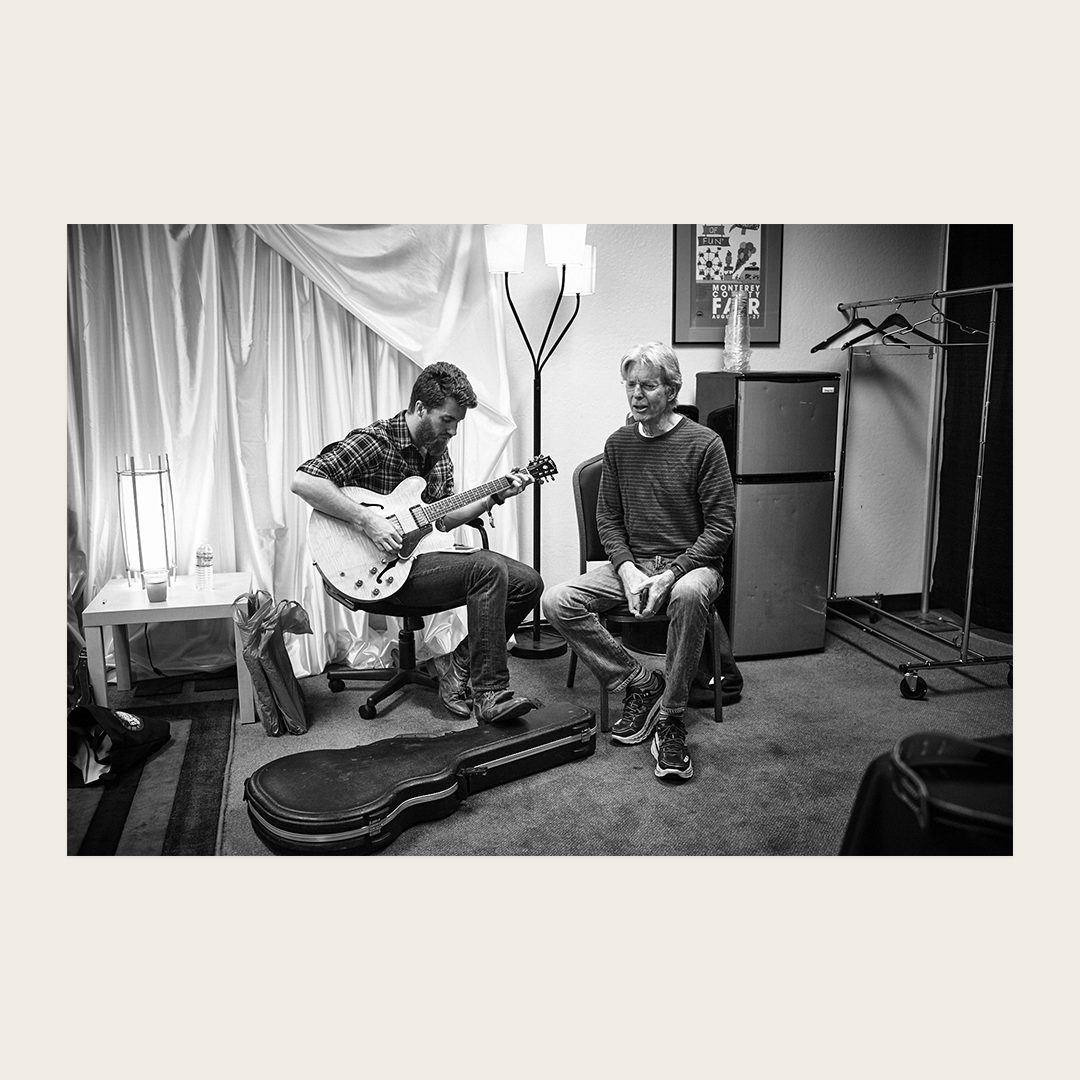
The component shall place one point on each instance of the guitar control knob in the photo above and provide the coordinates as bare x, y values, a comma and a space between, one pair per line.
374, 570
374, 592
358, 583
389, 581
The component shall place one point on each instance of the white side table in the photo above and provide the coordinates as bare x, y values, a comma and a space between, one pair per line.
119, 605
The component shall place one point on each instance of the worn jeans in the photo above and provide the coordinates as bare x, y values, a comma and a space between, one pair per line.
572, 609
498, 593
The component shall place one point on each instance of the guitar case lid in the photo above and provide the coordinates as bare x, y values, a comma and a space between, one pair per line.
357, 800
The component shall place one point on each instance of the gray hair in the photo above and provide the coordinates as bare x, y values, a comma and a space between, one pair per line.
658, 358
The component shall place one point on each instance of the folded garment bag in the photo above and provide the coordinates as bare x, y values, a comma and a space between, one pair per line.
279, 698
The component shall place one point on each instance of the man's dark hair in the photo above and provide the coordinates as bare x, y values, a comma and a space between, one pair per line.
440, 381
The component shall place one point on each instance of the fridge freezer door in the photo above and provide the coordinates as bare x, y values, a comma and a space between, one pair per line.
777, 578
786, 427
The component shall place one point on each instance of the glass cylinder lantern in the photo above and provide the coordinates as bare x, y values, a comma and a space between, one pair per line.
147, 517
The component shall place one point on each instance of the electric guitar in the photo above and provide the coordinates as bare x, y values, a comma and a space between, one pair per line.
348, 559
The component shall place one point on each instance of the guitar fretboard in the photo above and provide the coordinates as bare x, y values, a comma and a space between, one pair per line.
426, 513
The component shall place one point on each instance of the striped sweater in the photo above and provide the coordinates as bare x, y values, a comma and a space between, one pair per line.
670, 496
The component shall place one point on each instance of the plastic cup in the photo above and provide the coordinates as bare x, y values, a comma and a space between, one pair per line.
156, 583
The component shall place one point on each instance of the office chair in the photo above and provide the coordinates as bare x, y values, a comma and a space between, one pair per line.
586, 492
405, 672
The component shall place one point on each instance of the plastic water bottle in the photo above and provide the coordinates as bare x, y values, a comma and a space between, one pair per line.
737, 334
204, 567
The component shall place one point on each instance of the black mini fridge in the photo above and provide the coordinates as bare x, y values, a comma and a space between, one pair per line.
779, 431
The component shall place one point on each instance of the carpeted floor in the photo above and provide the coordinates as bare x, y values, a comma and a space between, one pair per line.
778, 777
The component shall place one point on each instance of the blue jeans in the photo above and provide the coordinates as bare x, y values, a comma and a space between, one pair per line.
572, 609
498, 593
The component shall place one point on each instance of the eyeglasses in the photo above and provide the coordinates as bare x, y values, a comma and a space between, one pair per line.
646, 387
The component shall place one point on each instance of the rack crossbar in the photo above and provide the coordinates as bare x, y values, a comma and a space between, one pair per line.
924, 661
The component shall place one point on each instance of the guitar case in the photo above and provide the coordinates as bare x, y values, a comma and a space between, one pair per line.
357, 800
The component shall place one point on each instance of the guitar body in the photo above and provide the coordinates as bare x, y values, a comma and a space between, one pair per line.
348, 559
353, 565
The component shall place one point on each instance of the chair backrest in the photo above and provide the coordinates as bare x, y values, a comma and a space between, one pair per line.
586, 493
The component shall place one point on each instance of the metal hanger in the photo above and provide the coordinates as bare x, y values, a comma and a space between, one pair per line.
853, 325
940, 317
897, 322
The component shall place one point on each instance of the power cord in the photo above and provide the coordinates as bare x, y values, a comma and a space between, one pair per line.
149, 655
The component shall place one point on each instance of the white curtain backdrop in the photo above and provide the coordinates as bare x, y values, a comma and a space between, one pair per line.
241, 351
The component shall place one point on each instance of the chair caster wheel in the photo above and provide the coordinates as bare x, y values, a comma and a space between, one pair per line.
367, 711
913, 687
336, 685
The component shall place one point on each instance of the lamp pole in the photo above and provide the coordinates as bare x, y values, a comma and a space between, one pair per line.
540, 644
564, 247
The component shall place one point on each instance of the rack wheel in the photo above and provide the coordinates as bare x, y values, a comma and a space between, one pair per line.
336, 685
913, 687
367, 711
1010, 674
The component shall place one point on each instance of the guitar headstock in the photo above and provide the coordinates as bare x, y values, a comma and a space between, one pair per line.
541, 468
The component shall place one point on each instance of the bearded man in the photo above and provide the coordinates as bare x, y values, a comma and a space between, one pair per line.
497, 591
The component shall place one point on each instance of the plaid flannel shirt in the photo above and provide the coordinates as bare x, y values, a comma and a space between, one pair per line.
378, 457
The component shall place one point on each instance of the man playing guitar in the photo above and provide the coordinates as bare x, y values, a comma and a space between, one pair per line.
497, 591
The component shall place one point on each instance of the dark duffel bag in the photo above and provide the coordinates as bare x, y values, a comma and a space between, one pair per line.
103, 743
935, 794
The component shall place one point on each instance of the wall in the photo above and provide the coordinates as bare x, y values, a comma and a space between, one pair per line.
882, 530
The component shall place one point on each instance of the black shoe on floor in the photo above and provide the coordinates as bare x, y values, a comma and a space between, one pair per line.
641, 706
669, 749
731, 685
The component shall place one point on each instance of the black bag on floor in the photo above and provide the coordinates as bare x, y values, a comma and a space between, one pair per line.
103, 743
935, 794
279, 698
355, 801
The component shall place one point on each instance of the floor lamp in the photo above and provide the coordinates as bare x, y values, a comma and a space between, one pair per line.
575, 264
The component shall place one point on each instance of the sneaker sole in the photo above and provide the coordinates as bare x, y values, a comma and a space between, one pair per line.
647, 729
684, 774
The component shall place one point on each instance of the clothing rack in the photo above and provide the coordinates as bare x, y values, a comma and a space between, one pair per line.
913, 685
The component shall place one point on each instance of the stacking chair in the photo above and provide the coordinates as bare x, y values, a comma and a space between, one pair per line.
586, 492
405, 672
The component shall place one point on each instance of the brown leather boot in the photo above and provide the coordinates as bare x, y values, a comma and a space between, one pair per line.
493, 706
452, 671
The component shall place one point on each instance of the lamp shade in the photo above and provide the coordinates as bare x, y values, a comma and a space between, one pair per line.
564, 245
147, 518
505, 246
581, 280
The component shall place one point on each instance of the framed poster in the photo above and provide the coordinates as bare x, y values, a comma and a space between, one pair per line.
712, 262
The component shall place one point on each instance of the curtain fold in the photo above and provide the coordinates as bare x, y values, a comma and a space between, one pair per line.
425, 290
207, 343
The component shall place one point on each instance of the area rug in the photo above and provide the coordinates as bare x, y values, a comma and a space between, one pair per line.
171, 804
